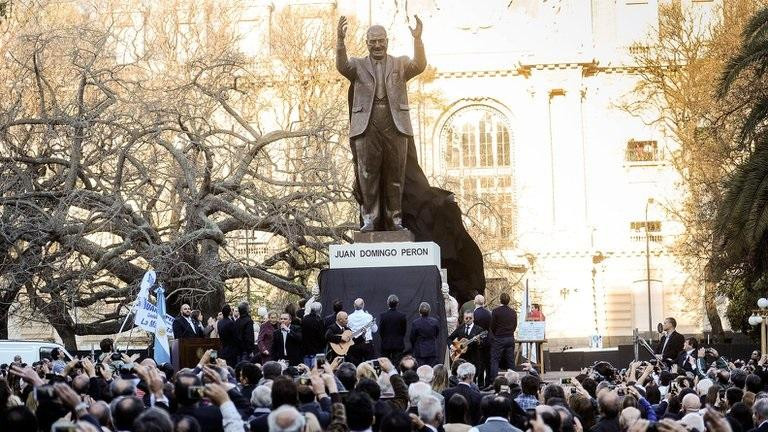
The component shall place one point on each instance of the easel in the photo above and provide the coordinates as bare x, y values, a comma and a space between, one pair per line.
536, 346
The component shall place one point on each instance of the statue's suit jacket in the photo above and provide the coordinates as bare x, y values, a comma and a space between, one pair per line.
359, 70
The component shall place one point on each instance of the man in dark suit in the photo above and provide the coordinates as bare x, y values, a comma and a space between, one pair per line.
671, 343
330, 319
466, 375
230, 347
503, 326
286, 344
244, 331
312, 333
184, 326
334, 334
687, 359
424, 333
392, 327
482, 318
467, 331
380, 122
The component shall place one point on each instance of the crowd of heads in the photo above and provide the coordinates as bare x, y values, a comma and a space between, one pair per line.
116, 392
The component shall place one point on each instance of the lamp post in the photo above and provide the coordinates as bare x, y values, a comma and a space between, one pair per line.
648, 264
760, 317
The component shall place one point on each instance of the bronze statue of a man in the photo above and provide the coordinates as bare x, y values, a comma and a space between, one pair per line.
380, 123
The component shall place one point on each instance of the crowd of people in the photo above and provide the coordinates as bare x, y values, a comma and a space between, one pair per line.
281, 386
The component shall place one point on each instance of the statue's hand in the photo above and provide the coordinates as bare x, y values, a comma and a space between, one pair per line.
416, 32
342, 30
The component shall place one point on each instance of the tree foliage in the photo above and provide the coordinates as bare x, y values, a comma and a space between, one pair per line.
679, 68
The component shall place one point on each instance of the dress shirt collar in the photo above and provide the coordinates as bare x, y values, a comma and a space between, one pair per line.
502, 419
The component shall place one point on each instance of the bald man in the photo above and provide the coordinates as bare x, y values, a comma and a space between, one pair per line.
363, 323
335, 333
380, 123
184, 326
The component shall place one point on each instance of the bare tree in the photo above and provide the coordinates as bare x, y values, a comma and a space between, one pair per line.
153, 144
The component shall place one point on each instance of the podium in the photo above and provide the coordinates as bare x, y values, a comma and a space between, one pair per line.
186, 353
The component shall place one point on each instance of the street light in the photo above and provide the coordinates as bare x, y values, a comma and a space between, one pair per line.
648, 264
760, 317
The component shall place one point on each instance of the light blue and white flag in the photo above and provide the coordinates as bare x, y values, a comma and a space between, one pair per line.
162, 349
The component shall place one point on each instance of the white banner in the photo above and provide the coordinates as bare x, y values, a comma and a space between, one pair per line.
146, 317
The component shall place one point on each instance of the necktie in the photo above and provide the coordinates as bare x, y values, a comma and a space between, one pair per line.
466, 331
381, 91
285, 339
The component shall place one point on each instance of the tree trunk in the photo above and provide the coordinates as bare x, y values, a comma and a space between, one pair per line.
711, 308
4, 309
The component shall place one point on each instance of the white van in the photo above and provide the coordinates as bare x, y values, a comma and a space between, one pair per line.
30, 351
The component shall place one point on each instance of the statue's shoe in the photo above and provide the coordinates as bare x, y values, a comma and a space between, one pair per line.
368, 227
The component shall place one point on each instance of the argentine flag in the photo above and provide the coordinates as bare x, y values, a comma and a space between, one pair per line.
162, 350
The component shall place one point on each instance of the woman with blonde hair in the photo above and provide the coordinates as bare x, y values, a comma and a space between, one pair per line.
440, 381
366, 370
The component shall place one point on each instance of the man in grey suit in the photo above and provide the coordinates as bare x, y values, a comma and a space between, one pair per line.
380, 122
496, 413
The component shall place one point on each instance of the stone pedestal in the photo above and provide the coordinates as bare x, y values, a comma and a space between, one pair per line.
383, 236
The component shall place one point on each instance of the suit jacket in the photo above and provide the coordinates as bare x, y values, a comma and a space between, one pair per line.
313, 334
292, 346
392, 329
208, 416
760, 428
497, 426
397, 71
424, 333
674, 346
264, 343
230, 347
483, 318
182, 329
472, 349
473, 397
244, 331
333, 334
329, 320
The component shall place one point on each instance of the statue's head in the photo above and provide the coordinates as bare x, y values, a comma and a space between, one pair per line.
376, 39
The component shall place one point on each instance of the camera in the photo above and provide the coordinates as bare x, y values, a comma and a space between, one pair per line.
504, 389
573, 390
64, 427
376, 365
566, 381
303, 380
319, 361
116, 356
195, 392
213, 356
44, 393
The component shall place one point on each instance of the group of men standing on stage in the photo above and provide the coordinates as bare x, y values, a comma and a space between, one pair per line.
298, 337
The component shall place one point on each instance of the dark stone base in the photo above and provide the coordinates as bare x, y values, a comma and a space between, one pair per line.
383, 236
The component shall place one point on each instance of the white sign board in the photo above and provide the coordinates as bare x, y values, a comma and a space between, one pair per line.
531, 331
405, 254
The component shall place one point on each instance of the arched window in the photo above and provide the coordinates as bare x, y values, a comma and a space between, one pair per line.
476, 147
476, 136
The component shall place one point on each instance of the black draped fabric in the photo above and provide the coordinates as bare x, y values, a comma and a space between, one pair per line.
412, 285
432, 214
